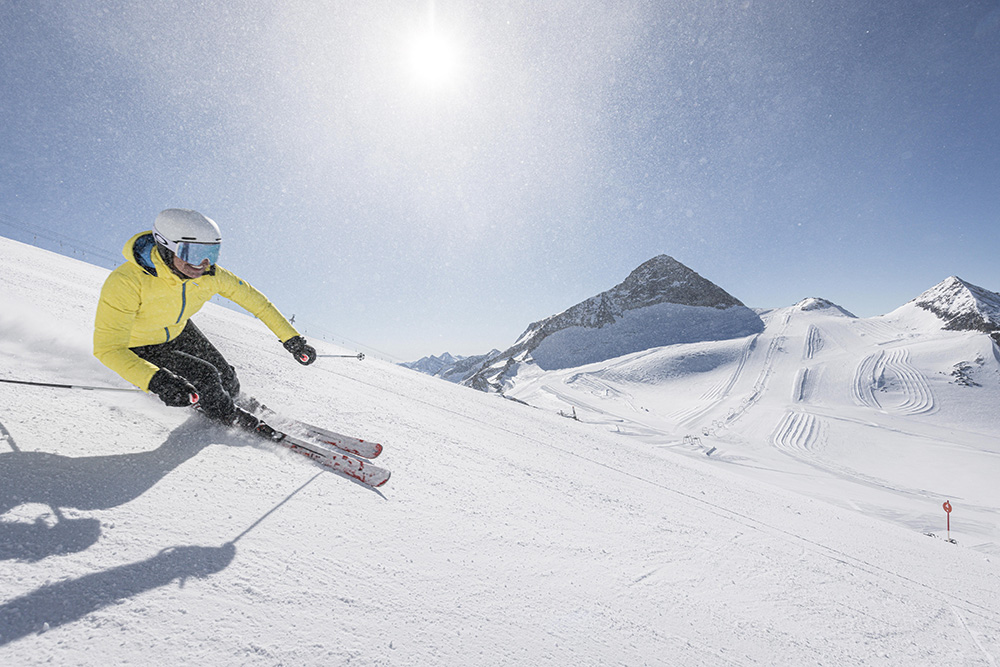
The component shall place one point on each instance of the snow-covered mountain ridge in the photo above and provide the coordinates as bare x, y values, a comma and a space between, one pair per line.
662, 302
816, 303
962, 306
133, 533
959, 305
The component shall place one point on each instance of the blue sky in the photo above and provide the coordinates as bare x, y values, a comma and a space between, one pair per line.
782, 150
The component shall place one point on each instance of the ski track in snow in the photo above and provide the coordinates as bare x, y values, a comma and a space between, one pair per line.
722, 389
974, 635
880, 331
799, 387
763, 378
882, 371
718, 393
802, 436
813, 344
798, 433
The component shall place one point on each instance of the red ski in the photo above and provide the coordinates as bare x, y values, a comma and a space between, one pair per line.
363, 471
319, 435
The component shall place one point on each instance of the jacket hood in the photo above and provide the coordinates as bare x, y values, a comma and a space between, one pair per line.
140, 250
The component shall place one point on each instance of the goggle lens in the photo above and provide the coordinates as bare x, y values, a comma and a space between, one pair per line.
196, 253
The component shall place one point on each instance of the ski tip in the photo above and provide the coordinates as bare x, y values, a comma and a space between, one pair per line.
382, 483
378, 450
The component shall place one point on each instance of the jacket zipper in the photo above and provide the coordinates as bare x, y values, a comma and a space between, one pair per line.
181, 314
183, 302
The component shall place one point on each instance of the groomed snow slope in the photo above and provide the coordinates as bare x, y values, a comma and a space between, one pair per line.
891, 416
134, 533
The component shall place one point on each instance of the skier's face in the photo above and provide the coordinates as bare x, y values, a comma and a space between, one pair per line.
190, 270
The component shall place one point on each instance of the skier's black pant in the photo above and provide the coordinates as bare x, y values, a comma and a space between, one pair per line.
191, 356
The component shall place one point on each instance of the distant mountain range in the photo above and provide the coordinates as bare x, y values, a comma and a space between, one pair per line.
432, 364
663, 302
450, 367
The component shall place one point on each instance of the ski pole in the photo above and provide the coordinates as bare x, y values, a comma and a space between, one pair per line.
194, 397
68, 386
359, 356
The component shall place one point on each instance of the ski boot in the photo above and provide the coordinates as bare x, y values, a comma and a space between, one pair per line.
248, 422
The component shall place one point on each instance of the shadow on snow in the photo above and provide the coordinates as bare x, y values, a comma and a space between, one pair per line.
90, 483
57, 604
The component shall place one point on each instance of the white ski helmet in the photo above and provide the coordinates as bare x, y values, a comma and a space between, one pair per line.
188, 234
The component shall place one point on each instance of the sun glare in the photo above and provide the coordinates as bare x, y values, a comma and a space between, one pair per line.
432, 59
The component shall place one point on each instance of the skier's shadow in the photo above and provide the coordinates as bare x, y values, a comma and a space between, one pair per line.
63, 602
38, 540
85, 483
92, 483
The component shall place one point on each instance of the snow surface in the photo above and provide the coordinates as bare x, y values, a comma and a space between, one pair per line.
135, 533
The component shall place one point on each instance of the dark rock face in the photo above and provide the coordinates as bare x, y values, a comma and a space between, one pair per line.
664, 279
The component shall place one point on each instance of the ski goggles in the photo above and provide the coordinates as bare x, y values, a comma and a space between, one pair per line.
196, 253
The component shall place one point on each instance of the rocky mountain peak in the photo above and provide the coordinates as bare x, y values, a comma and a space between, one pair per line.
661, 302
664, 279
962, 305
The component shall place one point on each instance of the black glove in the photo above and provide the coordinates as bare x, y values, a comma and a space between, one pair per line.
304, 353
172, 389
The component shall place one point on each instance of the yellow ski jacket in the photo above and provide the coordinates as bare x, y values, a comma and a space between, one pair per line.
143, 302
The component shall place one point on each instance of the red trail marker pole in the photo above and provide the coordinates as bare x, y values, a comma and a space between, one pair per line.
947, 510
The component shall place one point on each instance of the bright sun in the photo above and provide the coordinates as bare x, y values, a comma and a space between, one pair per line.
432, 59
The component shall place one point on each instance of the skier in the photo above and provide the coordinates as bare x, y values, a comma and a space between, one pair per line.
143, 329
